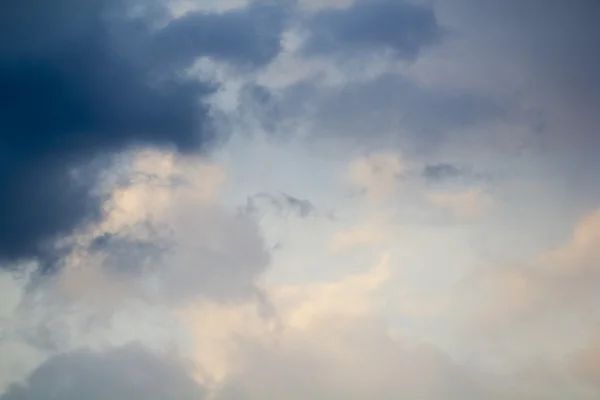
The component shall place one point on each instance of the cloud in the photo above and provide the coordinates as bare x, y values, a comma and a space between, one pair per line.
129, 372
454, 174
439, 172
400, 27
350, 359
282, 203
245, 37
584, 364
546, 301
167, 243
84, 79
558, 283
377, 175
373, 106
353, 296
465, 204
313, 5
389, 110
545, 58
358, 236
353, 357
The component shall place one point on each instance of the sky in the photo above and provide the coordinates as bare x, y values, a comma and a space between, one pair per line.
293, 199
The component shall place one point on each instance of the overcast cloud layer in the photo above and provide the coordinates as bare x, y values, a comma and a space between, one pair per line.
334, 199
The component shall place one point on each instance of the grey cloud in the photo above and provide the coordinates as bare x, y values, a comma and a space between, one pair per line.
217, 255
547, 52
127, 255
399, 26
237, 30
389, 106
120, 374
281, 203
441, 171
456, 173
180, 249
79, 79
199, 253
558, 40
391, 98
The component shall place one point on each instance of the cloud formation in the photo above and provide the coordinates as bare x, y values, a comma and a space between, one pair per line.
84, 79
155, 150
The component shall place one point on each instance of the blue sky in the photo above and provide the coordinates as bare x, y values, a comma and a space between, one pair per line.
272, 199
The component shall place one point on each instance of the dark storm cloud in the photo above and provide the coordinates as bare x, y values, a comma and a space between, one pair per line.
396, 25
79, 79
120, 374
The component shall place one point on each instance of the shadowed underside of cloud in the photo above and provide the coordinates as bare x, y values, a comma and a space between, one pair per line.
79, 79
124, 373
373, 25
